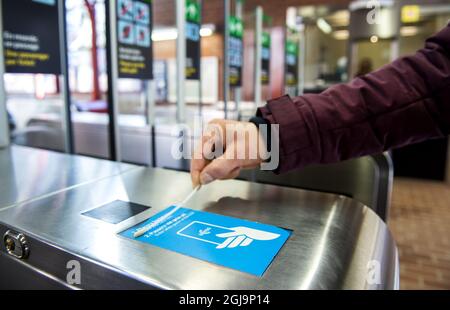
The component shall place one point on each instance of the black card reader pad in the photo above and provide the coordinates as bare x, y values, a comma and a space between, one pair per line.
116, 211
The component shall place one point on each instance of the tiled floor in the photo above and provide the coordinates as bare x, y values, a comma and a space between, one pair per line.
420, 223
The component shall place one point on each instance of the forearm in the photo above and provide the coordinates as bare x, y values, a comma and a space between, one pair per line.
405, 102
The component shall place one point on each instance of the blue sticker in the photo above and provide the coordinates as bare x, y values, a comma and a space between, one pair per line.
231, 242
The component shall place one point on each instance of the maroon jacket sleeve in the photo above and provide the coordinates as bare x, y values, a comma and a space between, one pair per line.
405, 102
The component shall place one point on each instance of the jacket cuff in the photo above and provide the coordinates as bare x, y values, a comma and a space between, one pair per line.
299, 141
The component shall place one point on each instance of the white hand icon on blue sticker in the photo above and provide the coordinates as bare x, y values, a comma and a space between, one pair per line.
243, 236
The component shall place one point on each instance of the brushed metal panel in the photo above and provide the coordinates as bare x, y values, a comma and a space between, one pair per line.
28, 173
334, 238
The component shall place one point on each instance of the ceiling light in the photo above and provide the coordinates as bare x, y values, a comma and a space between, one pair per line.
164, 34
341, 34
324, 26
207, 30
339, 18
167, 34
409, 31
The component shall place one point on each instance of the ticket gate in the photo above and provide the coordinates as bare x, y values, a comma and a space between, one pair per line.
90, 132
367, 179
336, 242
138, 143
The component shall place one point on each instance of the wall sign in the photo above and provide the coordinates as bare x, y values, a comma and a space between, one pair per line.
31, 36
134, 42
235, 51
231, 242
265, 58
291, 73
410, 14
193, 22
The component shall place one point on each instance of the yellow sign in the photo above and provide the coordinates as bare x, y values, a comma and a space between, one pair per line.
410, 13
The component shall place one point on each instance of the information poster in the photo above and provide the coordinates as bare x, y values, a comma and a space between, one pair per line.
193, 22
265, 58
291, 72
31, 36
235, 51
134, 43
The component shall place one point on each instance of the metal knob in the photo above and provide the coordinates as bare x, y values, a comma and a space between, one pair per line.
16, 244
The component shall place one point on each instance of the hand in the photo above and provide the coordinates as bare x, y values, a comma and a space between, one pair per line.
243, 236
225, 148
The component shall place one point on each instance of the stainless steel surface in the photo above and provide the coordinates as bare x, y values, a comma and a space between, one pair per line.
27, 173
90, 137
366, 179
168, 136
334, 238
149, 97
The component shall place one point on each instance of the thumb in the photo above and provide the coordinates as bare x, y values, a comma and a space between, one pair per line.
219, 169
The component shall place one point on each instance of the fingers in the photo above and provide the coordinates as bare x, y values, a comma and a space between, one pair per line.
195, 178
210, 163
202, 155
197, 165
210, 144
220, 169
